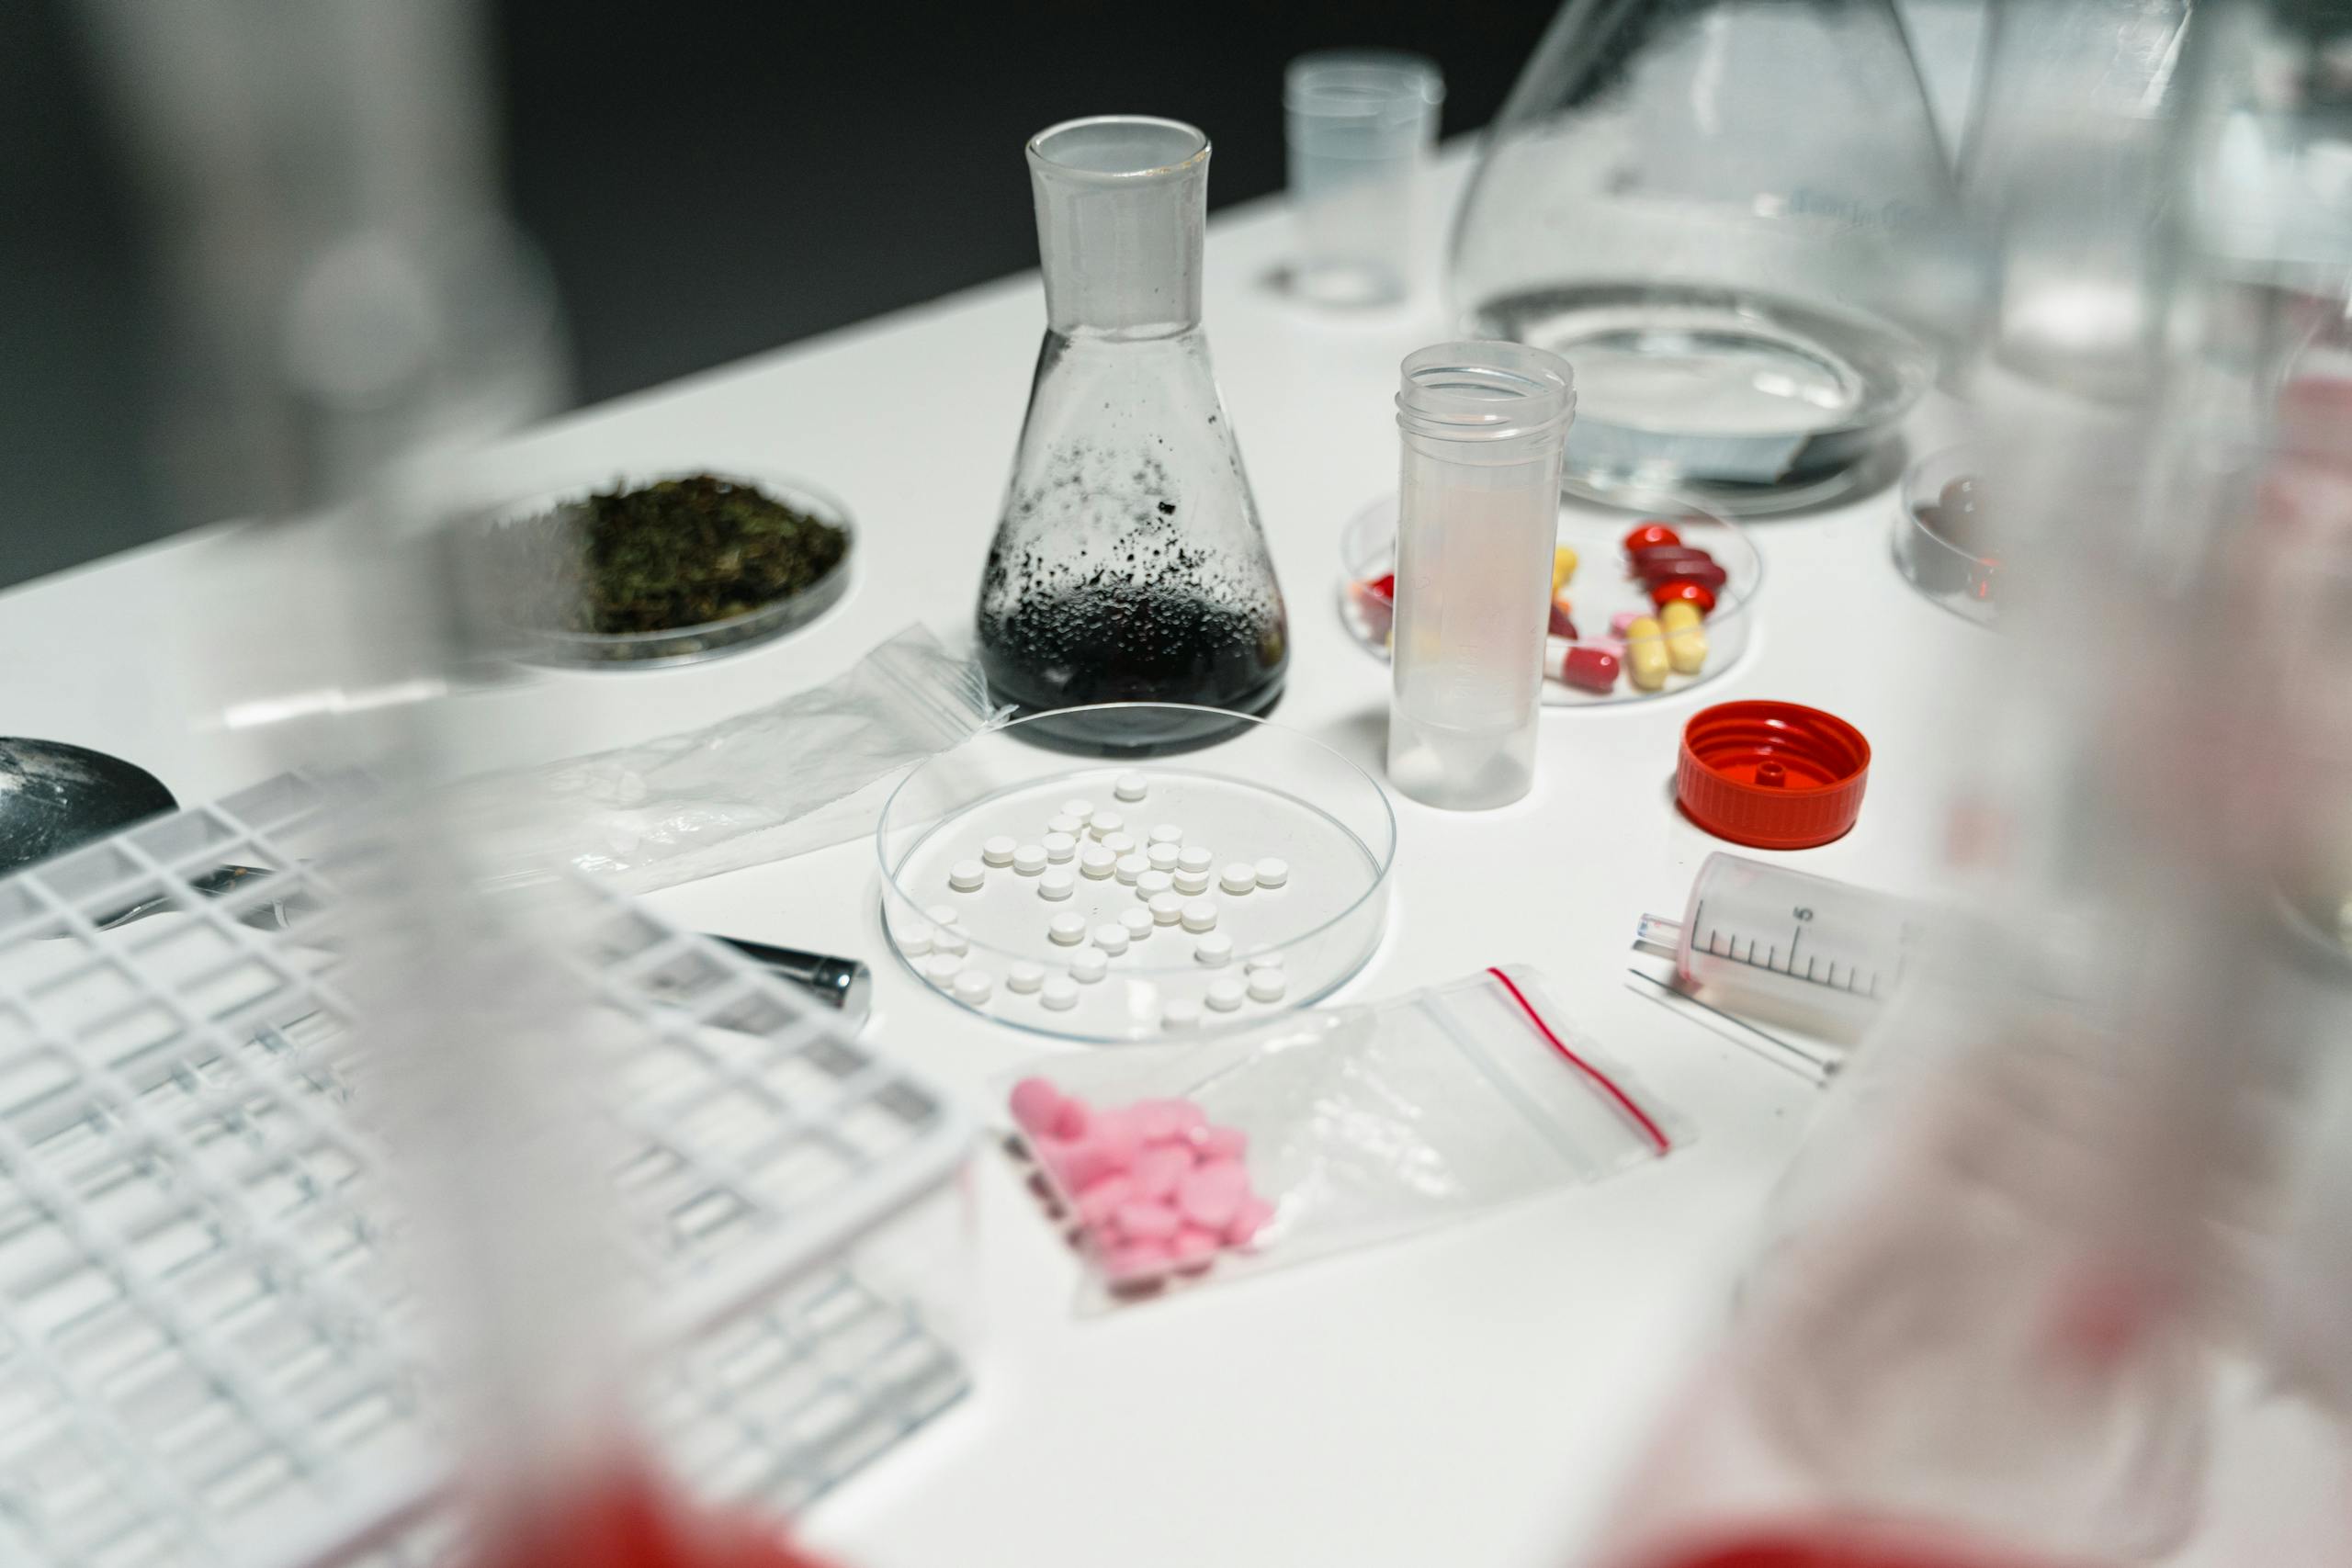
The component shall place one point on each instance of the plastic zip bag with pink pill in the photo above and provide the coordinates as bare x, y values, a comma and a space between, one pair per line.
1326, 1130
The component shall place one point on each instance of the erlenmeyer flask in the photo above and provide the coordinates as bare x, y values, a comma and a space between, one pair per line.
1734, 219
1129, 565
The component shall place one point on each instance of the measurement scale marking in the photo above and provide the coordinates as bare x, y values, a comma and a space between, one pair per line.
1856, 981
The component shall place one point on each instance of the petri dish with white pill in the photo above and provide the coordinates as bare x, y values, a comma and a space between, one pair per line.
1081, 949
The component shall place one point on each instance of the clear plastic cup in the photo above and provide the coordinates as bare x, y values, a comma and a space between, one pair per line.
1361, 123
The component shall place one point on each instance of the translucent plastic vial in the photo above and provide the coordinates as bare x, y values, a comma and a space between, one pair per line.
1483, 426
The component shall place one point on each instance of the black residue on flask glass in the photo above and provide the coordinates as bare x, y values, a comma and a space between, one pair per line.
1098, 594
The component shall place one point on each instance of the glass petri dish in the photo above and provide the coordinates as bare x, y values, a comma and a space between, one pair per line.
1963, 569
510, 549
1603, 588
1748, 402
1268, 794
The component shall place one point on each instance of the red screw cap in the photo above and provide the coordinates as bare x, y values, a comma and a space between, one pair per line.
1771, 775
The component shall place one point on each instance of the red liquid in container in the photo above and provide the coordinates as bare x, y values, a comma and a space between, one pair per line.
1833, 1545
631, 1520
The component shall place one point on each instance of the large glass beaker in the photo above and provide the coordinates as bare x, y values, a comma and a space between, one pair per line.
1734, 219
1129, 565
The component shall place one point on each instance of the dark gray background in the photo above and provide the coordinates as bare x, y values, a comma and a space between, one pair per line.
709, 179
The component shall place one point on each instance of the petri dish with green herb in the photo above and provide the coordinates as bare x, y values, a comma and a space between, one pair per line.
667, 569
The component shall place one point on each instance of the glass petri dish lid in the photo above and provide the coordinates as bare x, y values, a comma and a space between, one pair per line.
1312, 829
529, 548
1602, 589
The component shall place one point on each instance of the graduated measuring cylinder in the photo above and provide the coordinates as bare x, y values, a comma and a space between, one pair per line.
1772, 943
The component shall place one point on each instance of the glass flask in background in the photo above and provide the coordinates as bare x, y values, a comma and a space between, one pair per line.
1129, 565
2067, 172
1734, 218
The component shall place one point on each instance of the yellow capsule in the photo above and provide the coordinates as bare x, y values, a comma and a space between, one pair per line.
1646, 654
1564, 566
1686, 644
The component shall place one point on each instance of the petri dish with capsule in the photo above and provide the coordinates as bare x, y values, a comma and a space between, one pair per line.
1604, 591
1947, 539
1269, 798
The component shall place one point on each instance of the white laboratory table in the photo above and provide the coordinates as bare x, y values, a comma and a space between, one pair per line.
1469, 1397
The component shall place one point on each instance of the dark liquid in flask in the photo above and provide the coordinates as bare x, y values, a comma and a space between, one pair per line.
1114, 640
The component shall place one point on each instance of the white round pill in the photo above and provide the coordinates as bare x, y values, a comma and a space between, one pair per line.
1138, 921
1166, 908
1067, 930
1195, 857
943, 914
1066, 823
1055, 884
1059, 846
1215, 950
1102, 824
998, 850
1111, 939
1161, 856
1097, 862
1265, 961
1061, 993
975, 985
1152, 882
1080, 808
1267, 985
1131, 868
1224, 996
1167, 833
1089, 964
965, 876
1272, 872
1024, 977
1181, 1014
942, 966
1237, 878
1131, 785
1200, 915
1029, 859
950, 939
1192, 883
1119, 843
914, 940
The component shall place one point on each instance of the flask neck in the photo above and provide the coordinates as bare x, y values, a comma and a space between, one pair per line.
1122, 200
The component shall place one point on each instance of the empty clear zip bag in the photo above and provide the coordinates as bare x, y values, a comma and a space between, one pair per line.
1326, 1130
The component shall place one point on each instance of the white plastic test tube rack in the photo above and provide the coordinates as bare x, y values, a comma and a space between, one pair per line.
207, 1355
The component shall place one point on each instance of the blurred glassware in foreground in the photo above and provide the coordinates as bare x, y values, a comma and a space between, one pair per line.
339, 264
1361, 125
2265, 225
2020, 1278
1735, 219
367, 319
1129, 565
2034, 1284
355, 309
2067, 171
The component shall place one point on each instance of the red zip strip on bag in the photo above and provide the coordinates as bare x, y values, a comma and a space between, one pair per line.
1625, 1102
